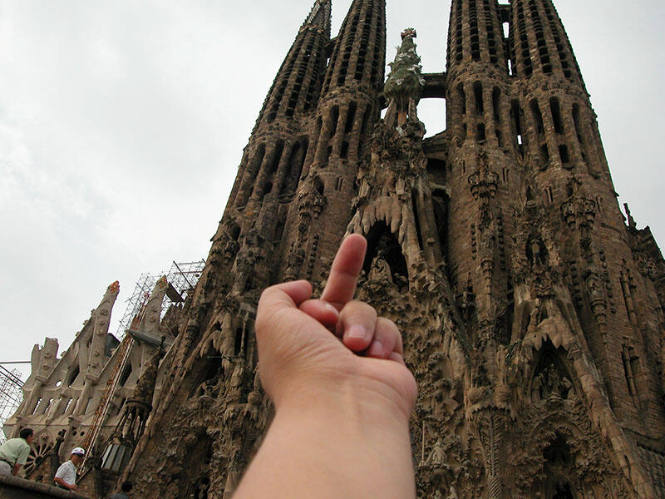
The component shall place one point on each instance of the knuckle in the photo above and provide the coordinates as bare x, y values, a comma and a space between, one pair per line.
359, 308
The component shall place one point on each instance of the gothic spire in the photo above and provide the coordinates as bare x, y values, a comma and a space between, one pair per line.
359, 53
320, 15
297, 84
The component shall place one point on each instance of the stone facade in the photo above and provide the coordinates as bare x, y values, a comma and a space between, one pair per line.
81, 397
531, 307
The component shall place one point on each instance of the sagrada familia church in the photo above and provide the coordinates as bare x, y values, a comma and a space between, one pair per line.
532, 308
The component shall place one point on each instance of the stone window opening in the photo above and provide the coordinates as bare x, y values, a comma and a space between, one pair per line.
252, 171
344, 153
478, 98
350, 117
339, 183
126, 373
296, 162
631, 367
558, 464
320, 188
440, 201
365, 128
563, 154
238, 341
499, 137
480, 133
516, 117
416, 218
334, 118
578, 130
279, 230
537, 117
66, 406
506, 30
73, 376
34, 409
556, 115
496, 104
274, 164
47, 406
462, 98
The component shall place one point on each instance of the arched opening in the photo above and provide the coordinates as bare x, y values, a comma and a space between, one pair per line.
384, 257
234, 231
209, 373
556, 115
496, 104
551, 379
558, 465
72, 377
125, 374
478, 98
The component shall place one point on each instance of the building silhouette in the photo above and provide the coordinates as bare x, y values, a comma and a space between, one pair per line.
531, 307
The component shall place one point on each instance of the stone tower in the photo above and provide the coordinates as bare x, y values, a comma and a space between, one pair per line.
532, 313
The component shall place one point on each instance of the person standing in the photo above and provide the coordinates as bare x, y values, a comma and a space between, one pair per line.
15, 451
65, 477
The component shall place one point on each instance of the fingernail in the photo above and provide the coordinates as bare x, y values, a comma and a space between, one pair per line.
331, 308
376, 350
356, 332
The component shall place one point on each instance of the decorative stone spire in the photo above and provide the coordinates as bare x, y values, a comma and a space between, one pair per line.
405, 83
152, 310
100, 320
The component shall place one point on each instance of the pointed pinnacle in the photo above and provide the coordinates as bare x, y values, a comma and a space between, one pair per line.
320, 14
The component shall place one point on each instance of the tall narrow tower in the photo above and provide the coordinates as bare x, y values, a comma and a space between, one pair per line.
346, 113
532, 314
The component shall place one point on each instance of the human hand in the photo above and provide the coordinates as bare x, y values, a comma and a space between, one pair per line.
300, 360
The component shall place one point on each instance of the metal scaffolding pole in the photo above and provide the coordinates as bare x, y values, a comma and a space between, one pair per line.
182, 278
11, 396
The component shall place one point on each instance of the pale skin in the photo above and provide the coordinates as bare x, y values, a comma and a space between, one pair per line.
17, 467
342, 401
76, 460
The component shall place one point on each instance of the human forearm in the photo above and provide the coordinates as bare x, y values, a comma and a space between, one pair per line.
350, 443
64, 484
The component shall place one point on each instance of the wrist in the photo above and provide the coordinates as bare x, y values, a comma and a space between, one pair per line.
354, 402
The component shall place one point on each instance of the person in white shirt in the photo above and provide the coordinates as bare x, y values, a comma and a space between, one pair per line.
65, 477
14, 452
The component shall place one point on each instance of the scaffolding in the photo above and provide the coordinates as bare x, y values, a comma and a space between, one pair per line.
11, 396
182, 278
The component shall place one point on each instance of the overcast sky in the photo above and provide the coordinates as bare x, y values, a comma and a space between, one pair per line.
122, 123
